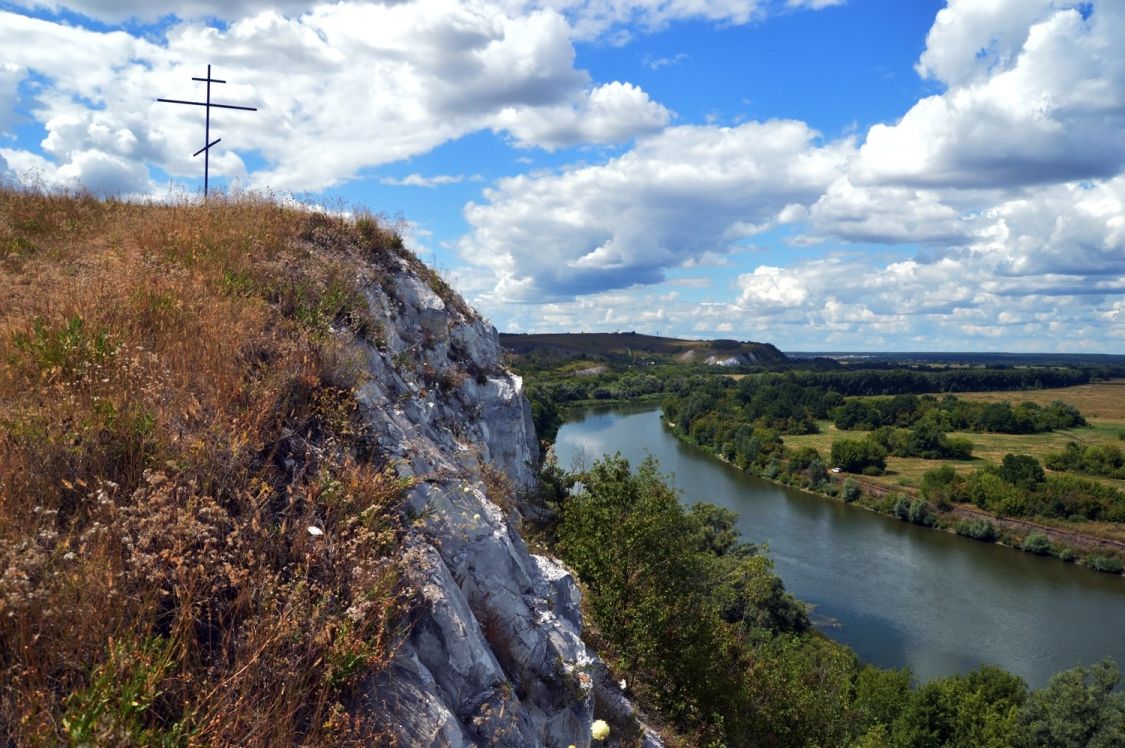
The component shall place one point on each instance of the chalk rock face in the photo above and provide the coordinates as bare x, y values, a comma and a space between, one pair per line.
495, 655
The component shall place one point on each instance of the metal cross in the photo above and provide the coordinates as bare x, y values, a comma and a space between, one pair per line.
207, 142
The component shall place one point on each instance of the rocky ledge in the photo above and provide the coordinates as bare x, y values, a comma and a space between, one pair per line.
494, 654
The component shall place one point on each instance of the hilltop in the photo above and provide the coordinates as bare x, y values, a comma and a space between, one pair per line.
260, 472
635, 348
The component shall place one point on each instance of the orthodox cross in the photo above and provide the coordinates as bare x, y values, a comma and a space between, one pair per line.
207, 142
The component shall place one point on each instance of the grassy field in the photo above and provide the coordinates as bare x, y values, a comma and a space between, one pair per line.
1101, 400
1102, 403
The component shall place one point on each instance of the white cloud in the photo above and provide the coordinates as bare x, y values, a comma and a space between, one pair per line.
771, 288
887, 215
813, 4
10, 77
339, 88
590, 19
418, 180
610, 113
972, 39
656, 63
676, 196
596, 18
1044, 104
115, 11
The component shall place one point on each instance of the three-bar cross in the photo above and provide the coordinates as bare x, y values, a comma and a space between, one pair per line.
207, 142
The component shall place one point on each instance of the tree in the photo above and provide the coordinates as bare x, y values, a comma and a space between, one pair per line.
853, 455
941, 486
1022, 471
1077, 709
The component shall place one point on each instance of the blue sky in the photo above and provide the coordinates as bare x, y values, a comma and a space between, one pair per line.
820, 174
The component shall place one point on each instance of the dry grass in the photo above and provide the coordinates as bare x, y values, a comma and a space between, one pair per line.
1101, 400
175, 412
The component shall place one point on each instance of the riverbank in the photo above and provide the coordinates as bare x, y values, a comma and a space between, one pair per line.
965, 520
897, 595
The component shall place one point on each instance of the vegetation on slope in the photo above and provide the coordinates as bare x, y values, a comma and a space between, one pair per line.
194, 544
707, 635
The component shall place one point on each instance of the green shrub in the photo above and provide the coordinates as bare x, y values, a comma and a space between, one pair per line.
919, 513
978, 529
1108, 564
850, 491
1037, 543
901, 507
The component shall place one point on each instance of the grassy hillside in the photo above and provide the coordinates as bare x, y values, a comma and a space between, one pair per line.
635, 348
195, 545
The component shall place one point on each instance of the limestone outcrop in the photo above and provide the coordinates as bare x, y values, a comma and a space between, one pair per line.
495, 654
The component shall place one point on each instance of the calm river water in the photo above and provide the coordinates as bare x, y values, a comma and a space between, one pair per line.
896, 593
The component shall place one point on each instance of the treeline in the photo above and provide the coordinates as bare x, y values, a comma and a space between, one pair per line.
910, 381
951, 414
707, 633
787, 401
925, 440
1019, 487
1095, 459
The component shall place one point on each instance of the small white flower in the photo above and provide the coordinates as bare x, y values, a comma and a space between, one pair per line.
476, 518
315, 531
621, 683
599, 730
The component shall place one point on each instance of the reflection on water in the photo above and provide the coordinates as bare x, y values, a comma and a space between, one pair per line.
897, 593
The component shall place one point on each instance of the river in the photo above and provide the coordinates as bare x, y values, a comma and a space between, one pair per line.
898, 594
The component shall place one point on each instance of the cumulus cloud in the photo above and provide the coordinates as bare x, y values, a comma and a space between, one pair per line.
590, 19
676, 196
1050, 261
971, 40
10, 77
1044, 103
610, 113
116, 11
888, 215
339, 88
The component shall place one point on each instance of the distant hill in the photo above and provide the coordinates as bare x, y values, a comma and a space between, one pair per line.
619, 346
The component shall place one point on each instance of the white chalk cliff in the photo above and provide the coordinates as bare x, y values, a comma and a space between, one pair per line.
494, 654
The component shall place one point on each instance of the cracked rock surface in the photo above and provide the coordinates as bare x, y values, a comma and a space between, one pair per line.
495, 655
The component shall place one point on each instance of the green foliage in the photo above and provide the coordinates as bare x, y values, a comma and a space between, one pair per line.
67, 350
850, 491
1022, 471
1095, 459
920, 513
1037, 543
1077, 709
545, 413
637, 550
979, 710
977, 529
1108, 564
942, 486
952, 414
120, 704
855, 456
